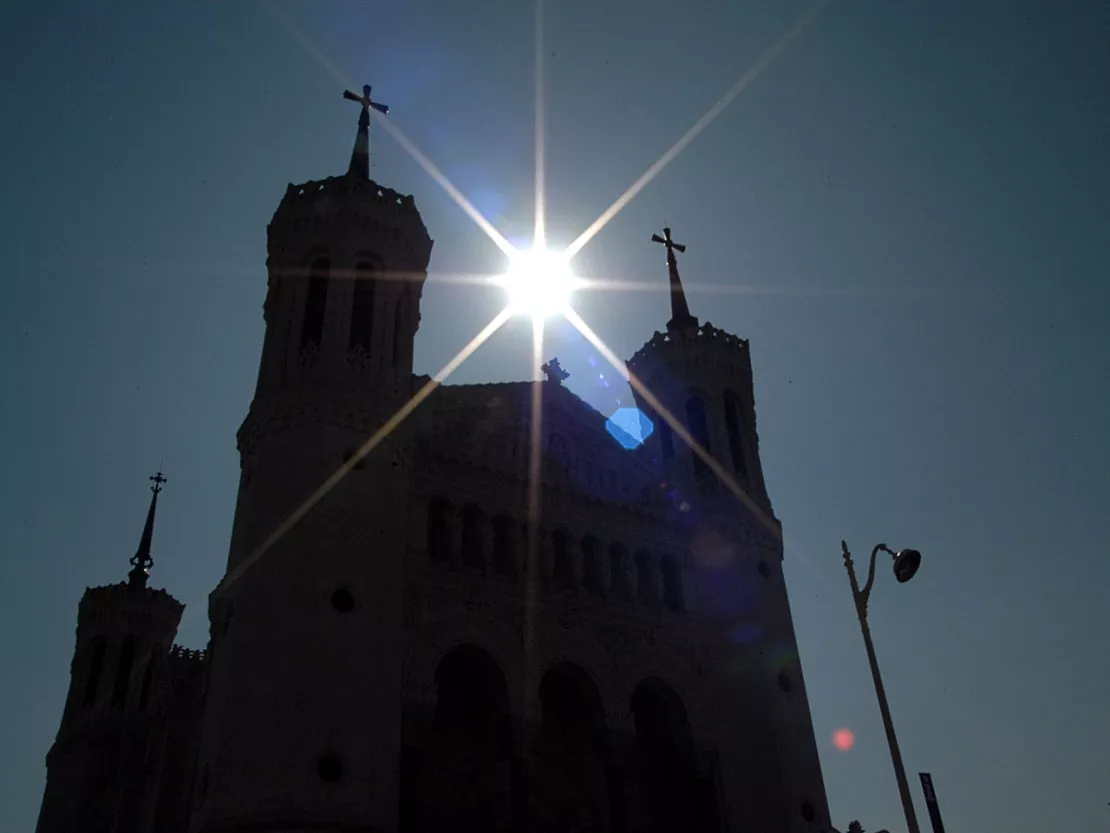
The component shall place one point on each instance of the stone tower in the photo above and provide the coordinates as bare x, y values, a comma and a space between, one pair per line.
347, 259
702, 376
98, 770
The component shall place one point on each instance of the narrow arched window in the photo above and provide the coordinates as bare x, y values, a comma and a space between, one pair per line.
735, 436
473, 531
645, 579
96, 670
315, 304
592, 578
148, 680
362, 307
439, 533
618, 576
699, 430
123, 672
563, 572
672, 583
504, 549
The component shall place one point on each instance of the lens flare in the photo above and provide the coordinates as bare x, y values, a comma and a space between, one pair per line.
539, 283
844, 739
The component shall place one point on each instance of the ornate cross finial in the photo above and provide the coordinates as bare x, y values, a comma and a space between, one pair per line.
142, 561
554, 371
360, 156
680, 310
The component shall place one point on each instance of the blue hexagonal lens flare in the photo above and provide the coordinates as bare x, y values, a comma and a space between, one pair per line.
630, 427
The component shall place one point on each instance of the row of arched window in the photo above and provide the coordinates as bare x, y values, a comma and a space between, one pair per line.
365, 288
124, 668
579, 775
570, 562
697, 424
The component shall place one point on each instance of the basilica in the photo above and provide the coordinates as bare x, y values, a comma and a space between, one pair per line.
469, 619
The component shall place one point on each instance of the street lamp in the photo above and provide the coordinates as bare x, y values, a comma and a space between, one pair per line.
905, 565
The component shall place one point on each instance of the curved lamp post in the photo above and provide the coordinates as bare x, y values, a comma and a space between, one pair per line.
906, 563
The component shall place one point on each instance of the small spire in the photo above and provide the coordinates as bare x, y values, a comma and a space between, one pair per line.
360, 156
141, 561
680, 310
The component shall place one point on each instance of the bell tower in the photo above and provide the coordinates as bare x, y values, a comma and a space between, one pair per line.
306, 625
703, 376
97, 772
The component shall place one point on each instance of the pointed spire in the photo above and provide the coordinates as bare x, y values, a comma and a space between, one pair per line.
680, 310
360, 156
141, 561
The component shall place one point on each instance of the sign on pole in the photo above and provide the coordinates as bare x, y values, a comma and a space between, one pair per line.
931, 802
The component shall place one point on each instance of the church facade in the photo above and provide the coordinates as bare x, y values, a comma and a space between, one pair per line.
416, 632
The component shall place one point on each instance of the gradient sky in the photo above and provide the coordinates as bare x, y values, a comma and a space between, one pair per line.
907, 212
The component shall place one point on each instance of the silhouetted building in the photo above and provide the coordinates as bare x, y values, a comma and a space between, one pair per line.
394, 660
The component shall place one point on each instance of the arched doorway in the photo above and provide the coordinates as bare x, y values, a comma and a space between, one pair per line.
458, 779
568, 787
670, 786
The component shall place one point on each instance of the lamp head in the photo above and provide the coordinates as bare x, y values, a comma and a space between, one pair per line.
906, 563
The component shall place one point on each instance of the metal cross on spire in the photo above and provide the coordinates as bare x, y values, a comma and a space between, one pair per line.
360, 156
680, 310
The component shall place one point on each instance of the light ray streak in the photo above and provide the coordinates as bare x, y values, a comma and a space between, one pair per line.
374, 440
435, 173
676, 426
616, 285
532, 566
539, 236
310, 47
698, 126
421, 159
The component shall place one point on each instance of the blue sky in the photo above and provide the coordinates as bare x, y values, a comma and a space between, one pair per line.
907, 213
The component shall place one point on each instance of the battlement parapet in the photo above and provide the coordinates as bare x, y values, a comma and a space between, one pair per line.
123, 605
343, 203
179, 653
706, 333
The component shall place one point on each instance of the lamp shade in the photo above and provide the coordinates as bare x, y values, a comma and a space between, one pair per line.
906, 563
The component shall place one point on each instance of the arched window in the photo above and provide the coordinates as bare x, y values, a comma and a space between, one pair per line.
439, 532
504, 545
699, 430
592, 577
563, 569
473, 529
362, 307
315, 304
645, 579
123, 672
96, 669
148, 680
672, 583
618, 577
735, 435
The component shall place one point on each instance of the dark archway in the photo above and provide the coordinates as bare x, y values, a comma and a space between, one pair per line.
456, 776
572, 719
472, 697
671, 787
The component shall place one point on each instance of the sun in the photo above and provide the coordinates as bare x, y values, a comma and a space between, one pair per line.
539, 283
